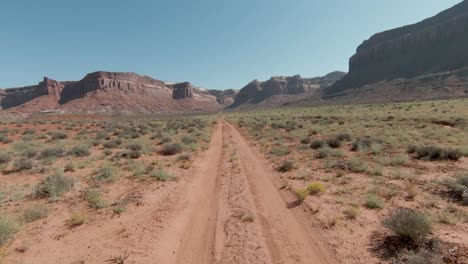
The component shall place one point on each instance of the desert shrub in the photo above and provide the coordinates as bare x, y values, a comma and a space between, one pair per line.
183, 157
162, 175
301, 194
54, 186
352, 212
170, 149
410, 226
285, 166
95, 199
305, 140
23, 164
343, 137
76, 219
5, 139
69, 167
80, 151
374, 202
333, 143
8, 228
54, 152
106, 173
315, 188
364, 143
280, 151
133, 154
322, 153
29, 153
419, 257
59, 135
459, 187
4, 158
112, 143
188, 140
356, 165
134, 146
435, 153
35, 213
316, 144
135, 134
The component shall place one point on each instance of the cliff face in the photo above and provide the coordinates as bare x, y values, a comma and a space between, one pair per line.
182, 91
256, 92
435, 45
18, 96
108, 91
124, 82
224, 97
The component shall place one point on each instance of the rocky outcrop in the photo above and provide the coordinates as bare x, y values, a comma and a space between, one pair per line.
182, 91
224, 97
111, 92
296, 87
435, 45
17, 96
124, 82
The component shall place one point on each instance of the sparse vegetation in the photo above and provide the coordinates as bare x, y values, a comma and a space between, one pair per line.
410, 226
8, 227
54, 186
35, 213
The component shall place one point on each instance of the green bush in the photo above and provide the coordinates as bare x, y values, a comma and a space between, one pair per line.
8, 228
113, 143
374, 202
435, 153
343, 137
95, 198
410, 226
316, 144
161, 175
54, 186
35, 213
315, 188
80, 151
170, 149
54, 152
4, 158
280, 151
188, 140
23, 164
106, 173
285, 166
59, 135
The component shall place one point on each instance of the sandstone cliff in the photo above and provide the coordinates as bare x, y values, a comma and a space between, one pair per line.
435, 45
283, 89
108, 91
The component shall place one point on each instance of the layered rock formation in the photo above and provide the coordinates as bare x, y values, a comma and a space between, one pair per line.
283, 89
182, 91
434, 46
49, 90
224, 97
108, 91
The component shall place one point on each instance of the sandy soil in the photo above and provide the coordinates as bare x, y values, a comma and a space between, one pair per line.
228, 209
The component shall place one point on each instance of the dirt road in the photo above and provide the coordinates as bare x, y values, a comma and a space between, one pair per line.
236, 214
228, 209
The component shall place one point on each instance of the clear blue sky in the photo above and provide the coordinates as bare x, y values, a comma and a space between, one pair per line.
216, 44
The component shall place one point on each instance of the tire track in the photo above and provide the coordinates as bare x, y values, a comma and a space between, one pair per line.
288, 239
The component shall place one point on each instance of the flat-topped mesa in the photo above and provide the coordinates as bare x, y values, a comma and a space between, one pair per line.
124, 82
182, 90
